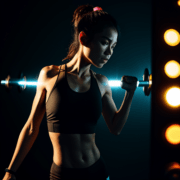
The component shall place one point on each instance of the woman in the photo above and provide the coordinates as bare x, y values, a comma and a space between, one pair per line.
76, 155
76, 96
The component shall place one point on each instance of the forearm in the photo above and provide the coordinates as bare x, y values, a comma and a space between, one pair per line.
23, 146
122, 114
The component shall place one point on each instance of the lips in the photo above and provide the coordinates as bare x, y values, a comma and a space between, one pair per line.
105, 59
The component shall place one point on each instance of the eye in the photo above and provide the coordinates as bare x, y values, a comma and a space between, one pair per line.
105, 43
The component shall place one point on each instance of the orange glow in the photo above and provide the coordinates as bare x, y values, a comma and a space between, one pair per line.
172, 37
178, 3
150, 80
172, 134
172, 96
172, 69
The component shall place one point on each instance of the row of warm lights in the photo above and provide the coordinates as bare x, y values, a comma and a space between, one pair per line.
172, 95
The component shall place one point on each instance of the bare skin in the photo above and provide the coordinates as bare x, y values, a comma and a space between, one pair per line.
73, 150
9, 176
80, 150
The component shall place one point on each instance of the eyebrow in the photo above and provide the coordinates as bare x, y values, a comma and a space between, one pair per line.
108, 39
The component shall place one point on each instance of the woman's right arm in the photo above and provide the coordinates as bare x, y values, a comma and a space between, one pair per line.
25, 141
30, 130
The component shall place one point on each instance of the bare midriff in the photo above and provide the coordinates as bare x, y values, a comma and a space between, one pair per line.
74, 150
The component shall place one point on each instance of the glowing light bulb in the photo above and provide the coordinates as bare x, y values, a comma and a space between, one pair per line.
172, 134
172, 69
178, 3
172, 37
173, 96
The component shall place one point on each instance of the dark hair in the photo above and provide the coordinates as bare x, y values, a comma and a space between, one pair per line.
91, 22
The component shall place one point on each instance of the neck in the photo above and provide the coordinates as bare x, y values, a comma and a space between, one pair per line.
79, 67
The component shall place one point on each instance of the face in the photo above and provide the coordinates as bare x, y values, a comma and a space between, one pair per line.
101, 47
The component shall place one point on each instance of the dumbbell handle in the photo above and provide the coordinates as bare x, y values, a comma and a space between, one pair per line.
140, 83
143, 83
21, 82
24, 82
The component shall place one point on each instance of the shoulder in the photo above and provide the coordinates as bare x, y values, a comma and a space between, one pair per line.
103, 80
50, 71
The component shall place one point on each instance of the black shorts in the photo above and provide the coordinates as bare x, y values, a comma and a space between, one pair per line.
97, 171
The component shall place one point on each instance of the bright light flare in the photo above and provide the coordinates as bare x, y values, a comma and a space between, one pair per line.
178, 3
22, 83
112, 83
173, 96
172, 134
172, 69
3, 82
29, 83
172, 37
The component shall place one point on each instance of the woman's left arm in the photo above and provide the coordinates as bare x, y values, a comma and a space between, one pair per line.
116, 119
122, 114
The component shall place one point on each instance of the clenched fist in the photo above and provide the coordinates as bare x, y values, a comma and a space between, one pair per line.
129, 83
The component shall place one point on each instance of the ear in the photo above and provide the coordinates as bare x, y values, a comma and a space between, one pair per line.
82, 37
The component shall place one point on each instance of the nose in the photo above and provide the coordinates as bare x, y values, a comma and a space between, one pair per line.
109, 51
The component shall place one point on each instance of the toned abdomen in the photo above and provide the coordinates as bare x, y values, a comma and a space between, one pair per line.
74, 150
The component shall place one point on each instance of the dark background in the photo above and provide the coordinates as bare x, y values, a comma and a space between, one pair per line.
37, 33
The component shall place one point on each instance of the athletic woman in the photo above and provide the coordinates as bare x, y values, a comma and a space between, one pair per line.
74, 97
